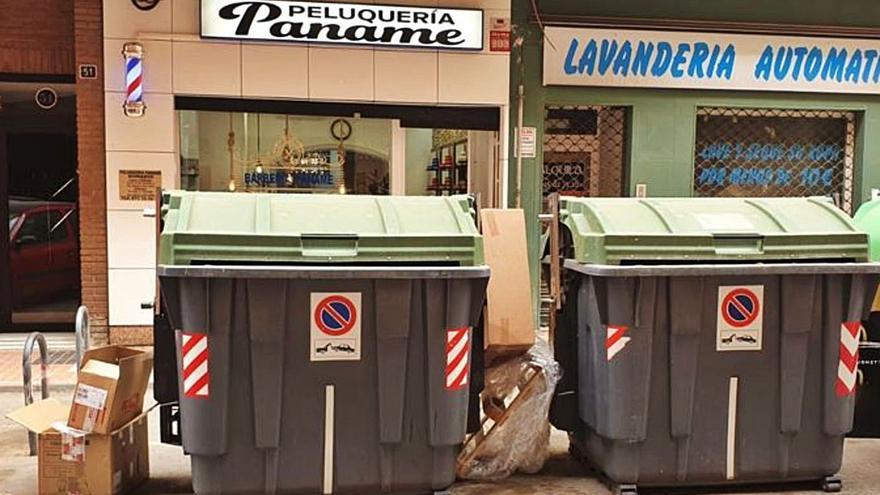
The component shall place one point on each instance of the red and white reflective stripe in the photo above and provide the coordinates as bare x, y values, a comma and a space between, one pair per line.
195, 365
847, 369
458, 352
615, 340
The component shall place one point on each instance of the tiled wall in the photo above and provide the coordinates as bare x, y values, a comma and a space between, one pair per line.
177, 62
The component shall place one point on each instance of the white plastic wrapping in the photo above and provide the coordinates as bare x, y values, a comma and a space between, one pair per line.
519, 442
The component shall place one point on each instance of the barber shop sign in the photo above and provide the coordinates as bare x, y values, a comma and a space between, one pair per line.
346, 23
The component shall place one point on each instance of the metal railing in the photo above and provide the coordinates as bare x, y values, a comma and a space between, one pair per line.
34, 337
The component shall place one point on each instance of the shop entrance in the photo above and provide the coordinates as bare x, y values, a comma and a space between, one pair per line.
39, 239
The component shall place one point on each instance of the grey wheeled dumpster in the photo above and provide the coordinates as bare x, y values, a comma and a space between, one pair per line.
710, 341
323, 342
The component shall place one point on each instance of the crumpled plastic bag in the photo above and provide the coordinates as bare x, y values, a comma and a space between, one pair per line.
521, 442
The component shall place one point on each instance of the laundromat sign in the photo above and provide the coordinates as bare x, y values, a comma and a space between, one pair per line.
661, 59
346, 23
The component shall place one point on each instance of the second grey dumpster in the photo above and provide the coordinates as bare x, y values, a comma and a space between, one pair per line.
323, 341
711, 341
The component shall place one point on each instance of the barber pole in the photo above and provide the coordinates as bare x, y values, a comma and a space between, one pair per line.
134, 80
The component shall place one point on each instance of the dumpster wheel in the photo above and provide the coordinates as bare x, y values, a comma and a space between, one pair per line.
832, 484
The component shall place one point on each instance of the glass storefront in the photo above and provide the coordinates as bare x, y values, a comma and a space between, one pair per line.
273, 152
227, 151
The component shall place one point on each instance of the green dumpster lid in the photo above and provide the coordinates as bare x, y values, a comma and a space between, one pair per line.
260, 228
867, 218
617, 231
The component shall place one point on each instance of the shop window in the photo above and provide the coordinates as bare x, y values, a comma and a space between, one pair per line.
256, 152
770, 152
584, 150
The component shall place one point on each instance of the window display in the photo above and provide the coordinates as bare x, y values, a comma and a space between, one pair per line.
256, 152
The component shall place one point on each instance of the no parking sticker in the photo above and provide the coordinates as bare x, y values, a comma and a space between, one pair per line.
335, 326
740, 318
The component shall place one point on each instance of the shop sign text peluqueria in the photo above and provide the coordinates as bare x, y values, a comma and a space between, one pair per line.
659, 59
346, 23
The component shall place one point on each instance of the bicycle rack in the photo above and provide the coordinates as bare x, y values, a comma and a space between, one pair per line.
34, 337
82, 335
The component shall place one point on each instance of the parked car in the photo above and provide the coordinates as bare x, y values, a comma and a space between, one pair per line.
43, 249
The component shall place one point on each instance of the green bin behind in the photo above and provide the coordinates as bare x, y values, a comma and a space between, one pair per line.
710, 341
323, 342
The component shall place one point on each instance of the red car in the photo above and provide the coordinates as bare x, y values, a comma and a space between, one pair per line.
43, 249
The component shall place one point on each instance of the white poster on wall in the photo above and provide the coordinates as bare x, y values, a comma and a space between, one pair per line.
346, 23
664, 59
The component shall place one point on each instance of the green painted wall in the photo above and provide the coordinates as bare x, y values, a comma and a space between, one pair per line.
663, 122
860, 13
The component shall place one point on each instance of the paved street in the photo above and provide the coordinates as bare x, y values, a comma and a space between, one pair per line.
561, 476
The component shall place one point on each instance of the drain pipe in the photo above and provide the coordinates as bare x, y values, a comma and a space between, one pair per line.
519, 158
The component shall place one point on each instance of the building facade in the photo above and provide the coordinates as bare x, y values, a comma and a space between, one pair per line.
51, 159
278, 97
662, 98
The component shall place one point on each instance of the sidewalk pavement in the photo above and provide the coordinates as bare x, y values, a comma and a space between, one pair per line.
170, 471
61, 365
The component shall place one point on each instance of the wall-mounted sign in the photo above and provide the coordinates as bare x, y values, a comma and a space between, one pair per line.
88, 71
526, 143
139, 185
46, 98
660, 59
347, 23
499, 34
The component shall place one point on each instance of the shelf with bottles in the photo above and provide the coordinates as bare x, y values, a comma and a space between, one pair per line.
448, 170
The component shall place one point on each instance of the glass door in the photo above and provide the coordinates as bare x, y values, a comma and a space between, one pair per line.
40, 287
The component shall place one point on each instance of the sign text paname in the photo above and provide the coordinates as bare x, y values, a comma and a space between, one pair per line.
347, 23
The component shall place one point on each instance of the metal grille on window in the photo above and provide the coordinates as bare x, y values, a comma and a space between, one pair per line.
775, 152
584, 150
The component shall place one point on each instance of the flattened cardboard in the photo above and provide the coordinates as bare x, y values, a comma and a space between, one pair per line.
123, 373
113, 464
39, 416
509, 321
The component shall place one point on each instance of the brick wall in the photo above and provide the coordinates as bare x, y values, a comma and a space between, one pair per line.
92, 176
36, 37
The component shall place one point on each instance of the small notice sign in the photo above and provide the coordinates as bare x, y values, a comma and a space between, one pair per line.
526, 145
499, 34
139, 185
335, 326
740, 318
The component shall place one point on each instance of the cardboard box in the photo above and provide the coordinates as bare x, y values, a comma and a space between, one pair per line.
509, 319
69, 461
110, 390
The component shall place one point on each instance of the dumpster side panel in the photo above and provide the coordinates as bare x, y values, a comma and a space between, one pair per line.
697, 413
275, 421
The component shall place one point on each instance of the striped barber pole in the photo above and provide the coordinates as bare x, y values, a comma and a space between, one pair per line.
847, 369
196, 376
134, 79
458, 351
615, 340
